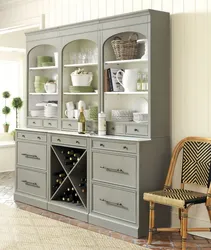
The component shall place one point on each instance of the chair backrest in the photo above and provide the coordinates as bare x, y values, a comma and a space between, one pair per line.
196, 162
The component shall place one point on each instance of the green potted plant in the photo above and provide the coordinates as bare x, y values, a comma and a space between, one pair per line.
17, 104
6, 110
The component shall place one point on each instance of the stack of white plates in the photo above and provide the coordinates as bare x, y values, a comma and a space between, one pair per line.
122, 115
37, 112
50, 111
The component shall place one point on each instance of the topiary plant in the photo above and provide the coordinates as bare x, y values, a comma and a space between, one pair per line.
17, 103
6, 110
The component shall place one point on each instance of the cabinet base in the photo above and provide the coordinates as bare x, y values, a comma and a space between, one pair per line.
121, 227
78, 213
30, 200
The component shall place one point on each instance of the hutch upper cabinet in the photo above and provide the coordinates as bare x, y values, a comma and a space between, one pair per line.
87, 46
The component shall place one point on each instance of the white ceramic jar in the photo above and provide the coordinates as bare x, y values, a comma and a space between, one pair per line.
101, 123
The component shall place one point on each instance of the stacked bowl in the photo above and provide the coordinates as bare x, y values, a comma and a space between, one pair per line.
121, 115
39, 84
50, 110
42, 60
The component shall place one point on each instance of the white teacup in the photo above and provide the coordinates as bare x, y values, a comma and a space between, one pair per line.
69, 113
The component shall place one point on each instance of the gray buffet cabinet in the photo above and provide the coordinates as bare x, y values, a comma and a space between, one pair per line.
119, 167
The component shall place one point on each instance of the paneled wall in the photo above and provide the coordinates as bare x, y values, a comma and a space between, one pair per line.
191, 53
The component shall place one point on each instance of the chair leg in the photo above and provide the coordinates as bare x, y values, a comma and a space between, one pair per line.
184, 228
209, 211
151, 220
180, 218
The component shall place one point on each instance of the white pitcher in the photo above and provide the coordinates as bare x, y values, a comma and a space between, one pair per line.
50, 87
129, 79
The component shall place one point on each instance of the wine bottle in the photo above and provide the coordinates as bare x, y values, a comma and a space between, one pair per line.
77, 155
54, 187
83, 190
81, 122
63, 199
62, 175
82, 184
83, 179
59, 181
70, 152
67, 162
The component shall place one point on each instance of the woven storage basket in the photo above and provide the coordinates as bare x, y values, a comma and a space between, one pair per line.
125, 50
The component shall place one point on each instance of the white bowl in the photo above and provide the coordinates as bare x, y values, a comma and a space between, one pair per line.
36, 113
81, 79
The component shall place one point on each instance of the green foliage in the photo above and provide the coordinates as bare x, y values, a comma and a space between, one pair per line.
6, 94
17, 103
6, 110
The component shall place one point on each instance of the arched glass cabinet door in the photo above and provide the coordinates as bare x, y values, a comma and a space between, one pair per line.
80, 83
42, 78
126, 81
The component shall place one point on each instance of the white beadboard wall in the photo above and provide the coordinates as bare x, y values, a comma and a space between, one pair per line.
190, 46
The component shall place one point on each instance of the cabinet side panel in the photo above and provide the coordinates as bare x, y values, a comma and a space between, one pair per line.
160, 74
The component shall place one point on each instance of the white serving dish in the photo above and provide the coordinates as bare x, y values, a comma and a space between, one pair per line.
140, 117
81, 79
35, 113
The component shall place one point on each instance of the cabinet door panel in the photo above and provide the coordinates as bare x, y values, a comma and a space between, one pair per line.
31, 182
114, 169
32, 155
115, 203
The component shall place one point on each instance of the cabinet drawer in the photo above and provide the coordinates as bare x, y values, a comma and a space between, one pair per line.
73, 140
118, 146
35, 122
115, 129
70, 125
116, 203
31, 155
50, 123
31, 182
114, 169
137, 129
32, 137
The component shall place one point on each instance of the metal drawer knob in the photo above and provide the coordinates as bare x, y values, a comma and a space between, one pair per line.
112, 128
38, 137
70, 124
50, 123
126, 148
136, 130
34, 122
102, 145
77, 142
23, 136
59, 140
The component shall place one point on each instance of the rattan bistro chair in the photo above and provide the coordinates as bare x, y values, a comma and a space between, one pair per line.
196, 169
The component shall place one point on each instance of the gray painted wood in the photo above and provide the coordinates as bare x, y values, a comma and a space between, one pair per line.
32, 183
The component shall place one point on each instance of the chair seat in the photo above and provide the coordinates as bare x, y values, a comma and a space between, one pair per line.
175, 197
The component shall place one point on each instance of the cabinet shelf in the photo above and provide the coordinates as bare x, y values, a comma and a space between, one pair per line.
117, 62
43, 68
79, 65
32, 93
127, 93
80, 93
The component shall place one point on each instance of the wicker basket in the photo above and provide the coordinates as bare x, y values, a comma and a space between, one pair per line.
125, 50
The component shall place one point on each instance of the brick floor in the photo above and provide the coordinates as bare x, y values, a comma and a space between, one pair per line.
160, 240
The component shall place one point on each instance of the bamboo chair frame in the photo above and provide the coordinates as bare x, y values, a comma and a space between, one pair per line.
183, 212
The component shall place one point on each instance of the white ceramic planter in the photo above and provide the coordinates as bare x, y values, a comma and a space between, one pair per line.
81, 79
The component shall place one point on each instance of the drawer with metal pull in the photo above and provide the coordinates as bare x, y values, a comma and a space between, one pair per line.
32, 136
50, 123
118, 146
119, 204
69, 140
34, 122
115, 129
31, 155
71, 125
141, 130
31, 182
116, 169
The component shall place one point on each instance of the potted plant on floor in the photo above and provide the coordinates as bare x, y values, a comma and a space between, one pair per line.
6, 110
17, 104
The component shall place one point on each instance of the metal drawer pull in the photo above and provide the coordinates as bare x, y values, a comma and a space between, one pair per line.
23, 136
38, 137
35, 157
102, 145
70, 124
116, 204
113, 128
77, 142
34, 122
125, 147
120, 171
58, 140
32, 184
136, 130
50, 123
